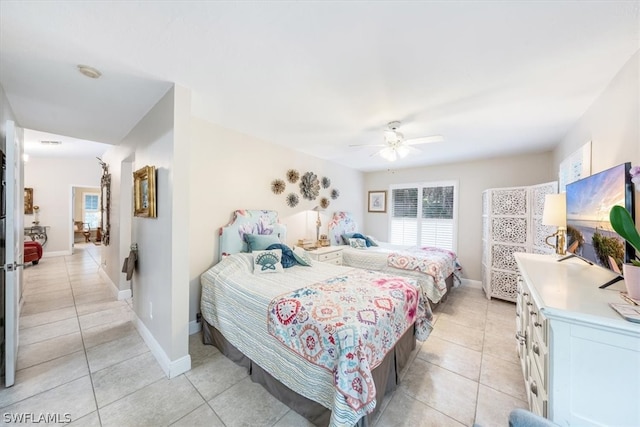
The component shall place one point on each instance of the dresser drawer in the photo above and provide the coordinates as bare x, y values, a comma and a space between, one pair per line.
536, 392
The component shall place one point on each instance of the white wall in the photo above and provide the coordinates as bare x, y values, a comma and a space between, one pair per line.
612, 124
6, 113
230, 171
52, 180
161, 282
473, 178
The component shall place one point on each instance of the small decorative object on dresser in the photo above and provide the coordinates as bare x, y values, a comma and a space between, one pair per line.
329, 254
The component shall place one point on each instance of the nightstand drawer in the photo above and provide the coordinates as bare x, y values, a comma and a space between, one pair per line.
331, 257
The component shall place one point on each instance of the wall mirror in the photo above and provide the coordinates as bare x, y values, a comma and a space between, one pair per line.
28, 201
105, 202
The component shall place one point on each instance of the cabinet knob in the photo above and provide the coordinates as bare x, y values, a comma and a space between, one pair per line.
534, 388
529, 303
537, 324
533, 313
536, 349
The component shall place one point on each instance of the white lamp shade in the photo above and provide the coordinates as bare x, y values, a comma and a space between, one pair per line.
555, 210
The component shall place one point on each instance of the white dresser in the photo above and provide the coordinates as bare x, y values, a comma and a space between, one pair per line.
580, 359
330, 254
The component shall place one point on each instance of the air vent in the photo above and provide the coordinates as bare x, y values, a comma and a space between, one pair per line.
51, 142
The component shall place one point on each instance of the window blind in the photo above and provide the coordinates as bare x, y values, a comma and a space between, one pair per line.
437, 223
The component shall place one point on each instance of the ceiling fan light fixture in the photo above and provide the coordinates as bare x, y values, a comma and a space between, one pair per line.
403, 151
389, 154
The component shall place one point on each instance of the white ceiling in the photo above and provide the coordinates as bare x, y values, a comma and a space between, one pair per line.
494, 78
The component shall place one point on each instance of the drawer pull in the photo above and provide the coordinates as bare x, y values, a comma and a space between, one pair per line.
536, 349
522, 339
525, 294
533, 313
529, 303
537, 324
534, 388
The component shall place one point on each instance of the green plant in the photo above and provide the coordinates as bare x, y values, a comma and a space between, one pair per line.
622, 223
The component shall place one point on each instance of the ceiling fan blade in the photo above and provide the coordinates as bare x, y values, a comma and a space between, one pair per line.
367, 145
424, 140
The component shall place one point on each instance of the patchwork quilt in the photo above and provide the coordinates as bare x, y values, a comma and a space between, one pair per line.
346, 325
436, 262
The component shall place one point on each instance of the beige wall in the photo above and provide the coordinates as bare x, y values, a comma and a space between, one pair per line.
612, 124
473, 178
54, 195
231, 170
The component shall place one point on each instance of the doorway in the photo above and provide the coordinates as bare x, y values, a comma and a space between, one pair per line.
86, 216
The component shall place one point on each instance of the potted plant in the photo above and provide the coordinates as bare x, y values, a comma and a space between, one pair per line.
622, 223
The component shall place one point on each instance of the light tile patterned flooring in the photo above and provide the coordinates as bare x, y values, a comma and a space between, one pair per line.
81, 355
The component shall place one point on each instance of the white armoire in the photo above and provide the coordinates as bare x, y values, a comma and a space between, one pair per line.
511, 222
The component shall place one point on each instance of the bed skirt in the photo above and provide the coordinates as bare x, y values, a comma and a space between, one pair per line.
385, 376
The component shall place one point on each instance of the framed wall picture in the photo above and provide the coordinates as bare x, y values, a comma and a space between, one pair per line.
377, 201
144, 192
28, 201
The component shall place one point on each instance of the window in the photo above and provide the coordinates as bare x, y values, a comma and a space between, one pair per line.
428, 220
91, 209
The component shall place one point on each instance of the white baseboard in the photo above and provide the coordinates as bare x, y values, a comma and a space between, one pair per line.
124, 294
107, 279
46, 254
171, 368
120, 294
472, 283
194, 327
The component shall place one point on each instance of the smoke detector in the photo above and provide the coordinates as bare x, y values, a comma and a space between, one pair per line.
89, 71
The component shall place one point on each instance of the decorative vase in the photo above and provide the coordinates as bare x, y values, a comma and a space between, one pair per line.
631, 275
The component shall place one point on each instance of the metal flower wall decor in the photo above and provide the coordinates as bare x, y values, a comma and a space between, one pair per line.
310, 187
278, 186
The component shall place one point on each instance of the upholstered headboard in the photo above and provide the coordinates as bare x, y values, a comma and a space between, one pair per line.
341, 223
249, 222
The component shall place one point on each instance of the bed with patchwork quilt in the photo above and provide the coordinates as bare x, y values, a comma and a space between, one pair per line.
436, 270
327, 340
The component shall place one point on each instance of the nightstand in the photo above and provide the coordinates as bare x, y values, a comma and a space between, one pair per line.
330, 254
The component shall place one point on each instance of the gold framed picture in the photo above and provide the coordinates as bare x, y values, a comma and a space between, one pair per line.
28, 201
144, 192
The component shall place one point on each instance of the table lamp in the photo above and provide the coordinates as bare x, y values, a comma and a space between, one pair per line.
555, 213
318, 209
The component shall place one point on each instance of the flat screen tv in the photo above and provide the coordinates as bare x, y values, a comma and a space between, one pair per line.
589, 232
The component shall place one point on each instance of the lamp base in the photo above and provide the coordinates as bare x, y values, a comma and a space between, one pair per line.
561, 241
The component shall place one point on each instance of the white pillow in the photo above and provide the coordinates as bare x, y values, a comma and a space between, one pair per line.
358, 243
267, 261
302, 257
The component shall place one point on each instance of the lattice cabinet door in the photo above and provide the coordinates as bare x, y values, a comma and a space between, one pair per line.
511, 222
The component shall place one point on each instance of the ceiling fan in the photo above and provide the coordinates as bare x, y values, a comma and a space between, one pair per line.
396, 146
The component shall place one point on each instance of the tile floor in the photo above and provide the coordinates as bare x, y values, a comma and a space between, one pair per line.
81, 355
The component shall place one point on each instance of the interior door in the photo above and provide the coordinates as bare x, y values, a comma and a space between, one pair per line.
14, 252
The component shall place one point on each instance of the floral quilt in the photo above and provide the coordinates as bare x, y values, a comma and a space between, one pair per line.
436, 262
347, 324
